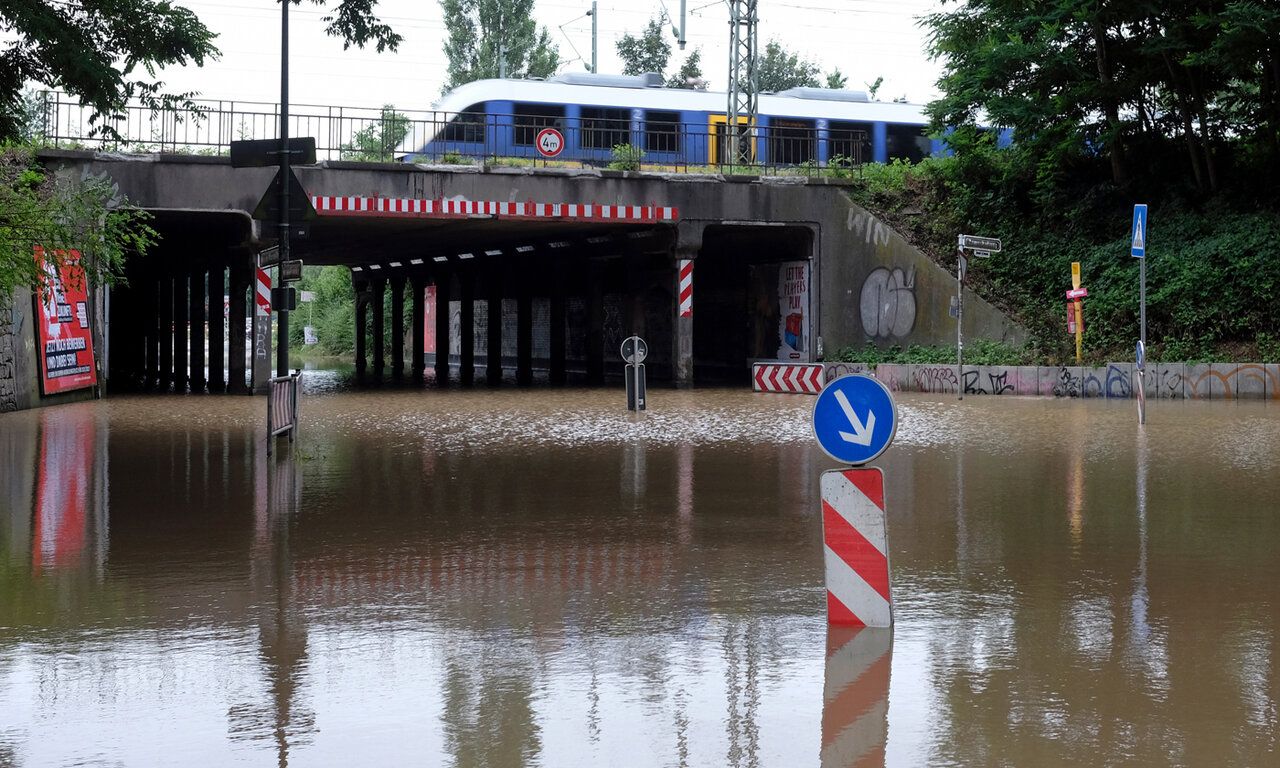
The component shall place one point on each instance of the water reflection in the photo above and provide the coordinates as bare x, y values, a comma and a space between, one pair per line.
506, 579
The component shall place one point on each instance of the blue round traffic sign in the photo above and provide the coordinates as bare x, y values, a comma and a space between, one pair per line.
855, 419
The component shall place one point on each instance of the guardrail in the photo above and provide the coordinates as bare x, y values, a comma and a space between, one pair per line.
282, 407
386, 135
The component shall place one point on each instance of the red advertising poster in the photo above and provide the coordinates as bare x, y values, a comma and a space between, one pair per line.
64, 332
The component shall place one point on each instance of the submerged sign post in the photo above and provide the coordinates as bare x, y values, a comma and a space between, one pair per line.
1138, 249
982, 247
854, 421
634, 351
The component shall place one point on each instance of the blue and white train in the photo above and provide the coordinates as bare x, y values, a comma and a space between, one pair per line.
595, 113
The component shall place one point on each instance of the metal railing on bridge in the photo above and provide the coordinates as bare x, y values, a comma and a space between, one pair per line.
548, 139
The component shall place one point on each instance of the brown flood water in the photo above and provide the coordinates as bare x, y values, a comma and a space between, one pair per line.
502, 578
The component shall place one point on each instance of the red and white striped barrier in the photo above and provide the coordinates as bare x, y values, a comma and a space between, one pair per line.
262, 294
329, 205
856, 552
686, 287
787, 377
855, 699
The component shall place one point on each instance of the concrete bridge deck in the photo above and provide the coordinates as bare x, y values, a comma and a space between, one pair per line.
570, 260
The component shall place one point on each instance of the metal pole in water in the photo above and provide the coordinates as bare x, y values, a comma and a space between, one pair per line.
960, 317
282, 341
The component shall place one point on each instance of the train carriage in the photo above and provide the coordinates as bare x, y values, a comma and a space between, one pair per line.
669, 126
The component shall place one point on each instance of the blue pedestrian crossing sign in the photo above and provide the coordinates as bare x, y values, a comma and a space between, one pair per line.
1138, 231
854, 419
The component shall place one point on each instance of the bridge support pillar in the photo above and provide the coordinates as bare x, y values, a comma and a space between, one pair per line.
524, 329
181, 284
557, 346
362, 327
197, 297
217, 339
397, 328
493, 362
595, 323
688, 244
467, 331
379, 287
164, 302
151, 328
419, 287
238, 323
443, 278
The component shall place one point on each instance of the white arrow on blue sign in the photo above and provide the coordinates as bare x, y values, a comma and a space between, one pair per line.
1138, 247
854, 419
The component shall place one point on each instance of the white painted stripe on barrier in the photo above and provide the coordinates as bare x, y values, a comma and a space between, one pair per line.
852, 590
857, 510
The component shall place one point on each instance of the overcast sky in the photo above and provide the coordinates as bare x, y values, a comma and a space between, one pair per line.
864, 38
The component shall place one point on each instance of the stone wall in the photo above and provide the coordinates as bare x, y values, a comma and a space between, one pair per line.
1162, 381
8, 383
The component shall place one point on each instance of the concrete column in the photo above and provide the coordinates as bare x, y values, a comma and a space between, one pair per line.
524, 328
181, 286
164, 309
467, 338
682, 336
150, 285
397, 328
419, 284
379, 287
558, 323
196, 318
493, 289
362, 327
217, 338
238, 323
443, 278
595, 323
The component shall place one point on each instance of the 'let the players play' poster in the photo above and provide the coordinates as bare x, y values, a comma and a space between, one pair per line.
64, 333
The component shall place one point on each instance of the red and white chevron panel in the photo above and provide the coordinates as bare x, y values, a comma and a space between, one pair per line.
686, 287
787, 377
856, 552
855, 698
404, 207
262, 294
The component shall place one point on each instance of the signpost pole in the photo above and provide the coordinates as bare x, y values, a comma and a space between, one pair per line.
1075, 283
960, 317
282, 340
1138, 249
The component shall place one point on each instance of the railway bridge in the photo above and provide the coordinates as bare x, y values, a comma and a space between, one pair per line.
534, 274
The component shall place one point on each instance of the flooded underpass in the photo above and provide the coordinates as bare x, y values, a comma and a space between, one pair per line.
506, 578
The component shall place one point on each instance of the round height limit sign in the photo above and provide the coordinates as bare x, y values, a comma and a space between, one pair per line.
550, 142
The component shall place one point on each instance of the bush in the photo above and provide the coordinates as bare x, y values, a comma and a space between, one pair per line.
626, 157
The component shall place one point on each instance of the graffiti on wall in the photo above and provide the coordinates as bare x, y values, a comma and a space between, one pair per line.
940, 379
833, 371
995, 383
871, 229
1066, 383
888, 303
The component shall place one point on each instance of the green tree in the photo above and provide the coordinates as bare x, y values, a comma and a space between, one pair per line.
1077, 79
648, 52
108, 53
874, 87
690, 73
377, 141
837, 80
58, 214
780, 69
490, 38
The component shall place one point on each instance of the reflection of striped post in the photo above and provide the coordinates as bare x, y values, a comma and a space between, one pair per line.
856, 547
686, 287
855, 700
262, 294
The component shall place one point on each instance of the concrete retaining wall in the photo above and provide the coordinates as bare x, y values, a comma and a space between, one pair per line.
1163, 381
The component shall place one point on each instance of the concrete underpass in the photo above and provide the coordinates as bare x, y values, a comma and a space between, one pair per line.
571, 261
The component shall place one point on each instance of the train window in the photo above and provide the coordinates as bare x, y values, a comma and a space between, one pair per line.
467, 125
605, 128
661, 131
791, 141
849, 143
908, 142
531, 118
